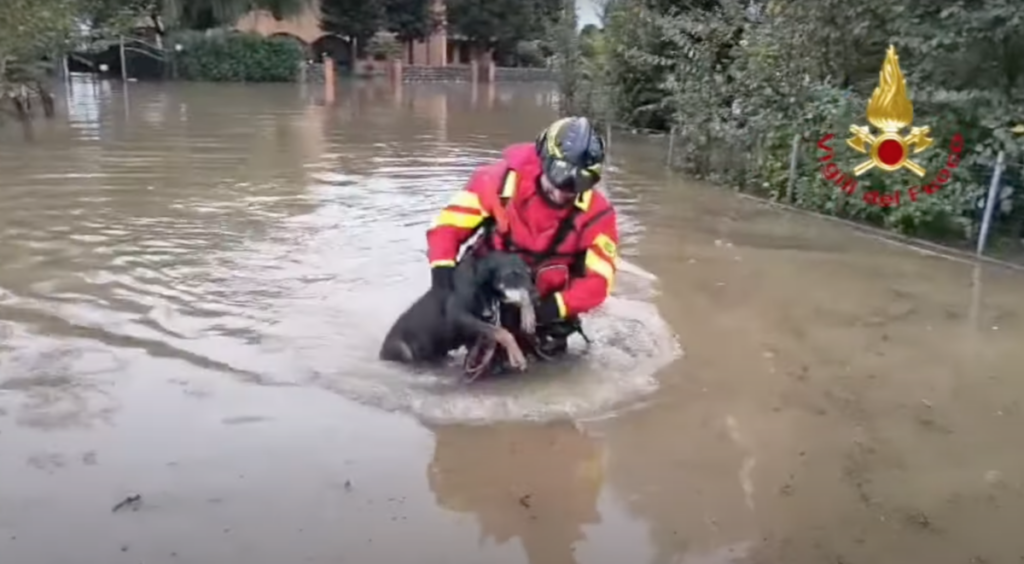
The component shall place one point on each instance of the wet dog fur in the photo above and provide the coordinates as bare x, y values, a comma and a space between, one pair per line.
441, 321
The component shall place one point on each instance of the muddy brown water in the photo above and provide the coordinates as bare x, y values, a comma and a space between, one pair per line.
195, 280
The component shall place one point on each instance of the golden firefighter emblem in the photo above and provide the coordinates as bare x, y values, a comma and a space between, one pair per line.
891, 111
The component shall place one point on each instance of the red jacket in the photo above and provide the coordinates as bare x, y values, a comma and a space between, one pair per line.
580, 272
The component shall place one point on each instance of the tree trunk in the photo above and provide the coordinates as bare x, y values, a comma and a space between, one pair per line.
46, 97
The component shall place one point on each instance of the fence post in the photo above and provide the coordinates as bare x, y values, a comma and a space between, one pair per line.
124, 62
990, 203
793, 158
671, 146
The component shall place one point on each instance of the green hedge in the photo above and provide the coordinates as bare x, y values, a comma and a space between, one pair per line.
237, 57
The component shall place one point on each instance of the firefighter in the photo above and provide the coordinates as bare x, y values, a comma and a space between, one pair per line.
539, 201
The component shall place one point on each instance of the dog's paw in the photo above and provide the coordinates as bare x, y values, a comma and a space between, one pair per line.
528, 321
516, 358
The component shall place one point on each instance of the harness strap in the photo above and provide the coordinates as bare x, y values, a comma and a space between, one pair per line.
565, 227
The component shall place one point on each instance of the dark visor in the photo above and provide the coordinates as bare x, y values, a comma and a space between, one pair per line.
570, 178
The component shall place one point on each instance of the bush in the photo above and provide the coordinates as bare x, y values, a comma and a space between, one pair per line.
383, 47
237, 57
736, 80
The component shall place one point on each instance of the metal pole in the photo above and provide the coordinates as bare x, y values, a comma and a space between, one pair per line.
972, 313
793, 157
124, 63
990, 203
671, 146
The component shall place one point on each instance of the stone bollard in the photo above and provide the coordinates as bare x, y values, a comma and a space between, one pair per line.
474, 71
328, 80
396, 71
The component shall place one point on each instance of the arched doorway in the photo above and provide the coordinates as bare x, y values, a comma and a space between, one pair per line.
336, 47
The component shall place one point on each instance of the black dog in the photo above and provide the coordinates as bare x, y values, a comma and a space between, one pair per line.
441, 321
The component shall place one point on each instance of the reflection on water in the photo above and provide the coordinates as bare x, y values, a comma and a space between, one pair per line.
537, 484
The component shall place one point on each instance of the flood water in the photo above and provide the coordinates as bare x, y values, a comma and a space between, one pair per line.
196, 278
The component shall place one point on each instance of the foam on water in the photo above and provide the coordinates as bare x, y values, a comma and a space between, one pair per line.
630, 342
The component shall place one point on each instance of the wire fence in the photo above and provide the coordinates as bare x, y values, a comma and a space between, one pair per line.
995, 226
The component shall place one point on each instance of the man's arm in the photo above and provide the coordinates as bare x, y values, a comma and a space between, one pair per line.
600, 265
458, 220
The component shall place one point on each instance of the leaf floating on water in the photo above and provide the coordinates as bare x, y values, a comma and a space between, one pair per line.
132, 501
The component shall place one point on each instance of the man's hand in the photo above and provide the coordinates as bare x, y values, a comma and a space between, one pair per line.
548, 310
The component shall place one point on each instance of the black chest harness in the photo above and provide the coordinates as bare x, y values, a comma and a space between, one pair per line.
565, 228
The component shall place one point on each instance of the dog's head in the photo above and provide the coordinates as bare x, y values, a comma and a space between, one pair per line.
508, 276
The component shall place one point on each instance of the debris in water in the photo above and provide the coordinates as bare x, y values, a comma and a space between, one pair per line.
348, 485
525, 500
132, 501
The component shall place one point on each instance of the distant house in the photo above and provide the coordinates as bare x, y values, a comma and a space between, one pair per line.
438, 50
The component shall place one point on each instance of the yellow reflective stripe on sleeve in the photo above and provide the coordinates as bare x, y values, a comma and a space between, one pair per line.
442, 263
599, 265
561, 305
466, 199
449, 218
508, 189
608, 247
604, 265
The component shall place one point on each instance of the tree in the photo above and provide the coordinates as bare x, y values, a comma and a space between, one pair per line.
487, 23
184, 14
357, 20
30, 31
410, 20
737, 79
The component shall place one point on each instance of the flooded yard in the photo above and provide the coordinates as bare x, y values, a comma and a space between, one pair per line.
196, 279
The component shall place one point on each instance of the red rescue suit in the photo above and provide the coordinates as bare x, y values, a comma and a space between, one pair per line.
578, 273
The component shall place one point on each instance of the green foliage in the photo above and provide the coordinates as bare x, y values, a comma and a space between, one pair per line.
530, 54
356, 19
410, 19
237, 57
383, 46
488, 23
736, 80
171, 15
31, 30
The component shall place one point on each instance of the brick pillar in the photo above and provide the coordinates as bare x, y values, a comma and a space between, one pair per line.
437, 43
328, 80
396, 71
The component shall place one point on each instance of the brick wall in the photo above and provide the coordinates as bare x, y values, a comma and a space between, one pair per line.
453, 73
523, 74
463, 73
